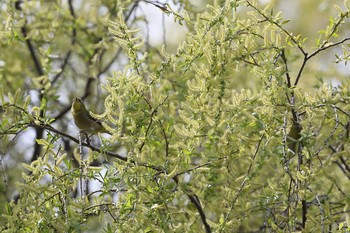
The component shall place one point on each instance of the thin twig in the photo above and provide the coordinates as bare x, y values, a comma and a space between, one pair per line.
93, 148
246, 178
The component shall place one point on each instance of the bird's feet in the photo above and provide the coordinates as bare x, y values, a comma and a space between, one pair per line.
87, 137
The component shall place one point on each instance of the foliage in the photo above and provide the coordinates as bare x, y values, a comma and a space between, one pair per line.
222, 132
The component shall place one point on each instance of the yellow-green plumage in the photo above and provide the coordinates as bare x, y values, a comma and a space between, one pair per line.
83, 120
293, 137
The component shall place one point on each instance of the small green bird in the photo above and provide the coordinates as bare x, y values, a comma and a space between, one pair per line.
83, 119
293, 136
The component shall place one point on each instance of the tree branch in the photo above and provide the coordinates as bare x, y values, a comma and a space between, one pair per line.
93, 148
195, 201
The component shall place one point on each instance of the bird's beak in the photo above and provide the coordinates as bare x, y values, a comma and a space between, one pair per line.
77, 99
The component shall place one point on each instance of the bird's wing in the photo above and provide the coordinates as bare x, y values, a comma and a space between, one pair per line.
96, 121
